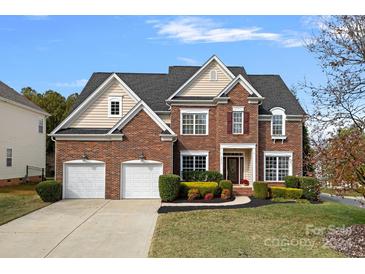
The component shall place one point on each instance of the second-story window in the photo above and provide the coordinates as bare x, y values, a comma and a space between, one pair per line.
194, 123
278, 122
277, 125
237, 120
115, 107
40, 125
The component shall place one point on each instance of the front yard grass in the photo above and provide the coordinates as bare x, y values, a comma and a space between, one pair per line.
19, 200
277, 230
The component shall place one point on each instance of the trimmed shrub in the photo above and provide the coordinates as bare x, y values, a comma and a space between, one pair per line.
203, 187
311, 188
285, 192
292, 181
202, 176
226, 194
168, 186
208, 196
193, 194
213, 176
49, 191
226, 184
261, 190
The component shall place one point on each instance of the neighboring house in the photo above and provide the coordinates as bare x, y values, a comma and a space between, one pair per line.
22, 138
128, 128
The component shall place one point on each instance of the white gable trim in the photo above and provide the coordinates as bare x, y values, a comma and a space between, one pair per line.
211, 59
141, 105
91, 97
24, 106
240, 80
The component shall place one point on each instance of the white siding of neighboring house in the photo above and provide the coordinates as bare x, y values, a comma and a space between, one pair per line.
203, 86
19, 131
96, 114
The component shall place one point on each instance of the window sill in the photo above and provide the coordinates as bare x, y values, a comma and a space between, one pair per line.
194, 134
278, 137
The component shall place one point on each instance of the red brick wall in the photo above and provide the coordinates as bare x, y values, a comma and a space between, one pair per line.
17, 181
141, 134
217, 129
293, 143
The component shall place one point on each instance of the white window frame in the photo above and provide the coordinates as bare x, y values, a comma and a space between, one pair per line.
11, 157
194, 111
115, 99
213, 75
40, 125
193, 153
238, 110
278, 154
281, 112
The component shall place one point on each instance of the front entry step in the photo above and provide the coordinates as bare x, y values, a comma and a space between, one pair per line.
242, 191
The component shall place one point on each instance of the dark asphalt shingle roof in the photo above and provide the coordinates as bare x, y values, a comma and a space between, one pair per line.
12, 95
155, 88
276, 94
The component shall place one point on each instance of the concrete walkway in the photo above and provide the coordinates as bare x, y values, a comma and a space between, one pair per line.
82, 228
352, 201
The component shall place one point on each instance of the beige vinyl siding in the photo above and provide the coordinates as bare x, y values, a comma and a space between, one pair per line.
203, 86
165, 117
96, 115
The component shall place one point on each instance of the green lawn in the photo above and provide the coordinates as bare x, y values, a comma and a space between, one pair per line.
346, 193
16, 201
277, 230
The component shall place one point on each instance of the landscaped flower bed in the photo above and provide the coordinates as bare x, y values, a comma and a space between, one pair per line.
203, 191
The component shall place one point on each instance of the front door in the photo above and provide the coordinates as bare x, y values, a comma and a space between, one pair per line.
232, 169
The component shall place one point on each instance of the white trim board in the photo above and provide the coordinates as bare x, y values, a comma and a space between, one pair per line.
210, 60
91, 97
24, 106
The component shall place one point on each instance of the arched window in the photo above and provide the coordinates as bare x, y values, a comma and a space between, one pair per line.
213, 75
278, 121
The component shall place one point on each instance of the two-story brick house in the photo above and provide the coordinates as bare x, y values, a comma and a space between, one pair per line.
128, 128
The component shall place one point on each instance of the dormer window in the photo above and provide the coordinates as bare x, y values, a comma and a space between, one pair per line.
115, 107
213, 75
278, 123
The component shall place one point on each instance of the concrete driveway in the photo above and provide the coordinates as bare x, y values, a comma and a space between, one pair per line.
82, 228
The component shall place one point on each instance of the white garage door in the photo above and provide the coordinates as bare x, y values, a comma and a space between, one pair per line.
141, 180
84, 181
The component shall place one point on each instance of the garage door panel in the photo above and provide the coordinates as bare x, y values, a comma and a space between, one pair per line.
85, 181
141, 180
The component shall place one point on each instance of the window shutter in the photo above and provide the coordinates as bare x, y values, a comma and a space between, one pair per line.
246, 129
229, 122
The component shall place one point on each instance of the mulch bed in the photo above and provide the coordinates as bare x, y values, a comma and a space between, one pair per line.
349, 240
214, 200
254, 203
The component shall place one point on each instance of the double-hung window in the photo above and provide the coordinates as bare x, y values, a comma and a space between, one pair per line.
194, 122
9, 157
277, 125
277, 166
191, 161
40, 125
115, 107
278, 122
237, 120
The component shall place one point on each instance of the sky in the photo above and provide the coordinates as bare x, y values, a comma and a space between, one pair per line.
61, 52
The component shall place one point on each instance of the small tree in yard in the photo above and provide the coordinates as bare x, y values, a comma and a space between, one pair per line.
341, 160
